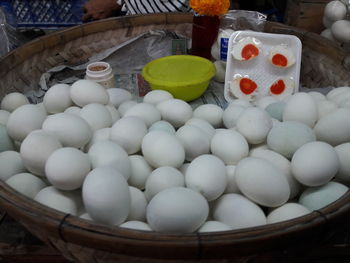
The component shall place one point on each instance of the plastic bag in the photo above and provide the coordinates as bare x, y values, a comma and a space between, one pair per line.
9, 37
234, 20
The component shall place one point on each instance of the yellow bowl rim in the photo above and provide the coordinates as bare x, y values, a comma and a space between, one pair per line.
158, 82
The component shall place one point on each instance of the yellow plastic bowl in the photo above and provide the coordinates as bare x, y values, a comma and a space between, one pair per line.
186, 77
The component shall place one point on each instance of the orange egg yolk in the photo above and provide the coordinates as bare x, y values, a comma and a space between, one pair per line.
278, 87
249, 51
280, 60
247, 86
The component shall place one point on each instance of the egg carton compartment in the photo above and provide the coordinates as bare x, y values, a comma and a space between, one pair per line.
260, 69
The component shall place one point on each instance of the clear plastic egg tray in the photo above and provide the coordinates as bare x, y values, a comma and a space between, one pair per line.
260, 69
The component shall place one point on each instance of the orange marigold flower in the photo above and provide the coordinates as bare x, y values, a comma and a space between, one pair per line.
210, 7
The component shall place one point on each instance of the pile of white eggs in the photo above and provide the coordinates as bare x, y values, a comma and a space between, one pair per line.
161, 166
336, 22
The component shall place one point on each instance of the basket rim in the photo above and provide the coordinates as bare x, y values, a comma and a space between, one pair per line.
200, 245
318, 220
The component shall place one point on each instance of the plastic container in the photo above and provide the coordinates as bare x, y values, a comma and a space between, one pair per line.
186, 77
260, 69
48, 14
101, 72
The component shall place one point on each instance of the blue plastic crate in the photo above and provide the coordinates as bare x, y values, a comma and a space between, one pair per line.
43, 13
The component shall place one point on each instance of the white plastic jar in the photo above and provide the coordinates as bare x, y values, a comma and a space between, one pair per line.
101, 72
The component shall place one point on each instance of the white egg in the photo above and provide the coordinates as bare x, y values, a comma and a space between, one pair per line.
230, 146
207, 175
231, 115
26, 183
71, 130
106, 196
315, 198
325, 107
86, 216
162, 126
11, 164
286, 212
246, 49
254, 124
6, 143
335, 10
334, 128
140, 170
117, 96
162, 149
211, 113
238, 212
327, 33
60, 200
262, 182
343, 152
73, 110
317, 96
125, 106
108, 153
281, 56
175, 111
84, 92
138, 205
213, 226
157, 96
327, 22
136, 225
97, 116
13, 101
161, 179
66, 168
4, 116
41, 107
146, 112
288, 137
335, 92
283, 164
99, 135
203, 125
319, 169
57, 98
23, 120
231, 180
341, 31
243, 88
275, 110
177, 210
341, 97
114, 113
265, 101
128, 132
301, 107
194, 140
36, 149
240, 102
282, 89
184, 167
220, 67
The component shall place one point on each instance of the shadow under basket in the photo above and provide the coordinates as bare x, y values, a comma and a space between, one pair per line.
323, 64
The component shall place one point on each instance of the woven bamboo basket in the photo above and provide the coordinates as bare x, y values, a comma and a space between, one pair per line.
323, 64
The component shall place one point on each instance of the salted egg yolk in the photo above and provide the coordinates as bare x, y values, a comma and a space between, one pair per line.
282, 88
246, 49
281, 56
244, 88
